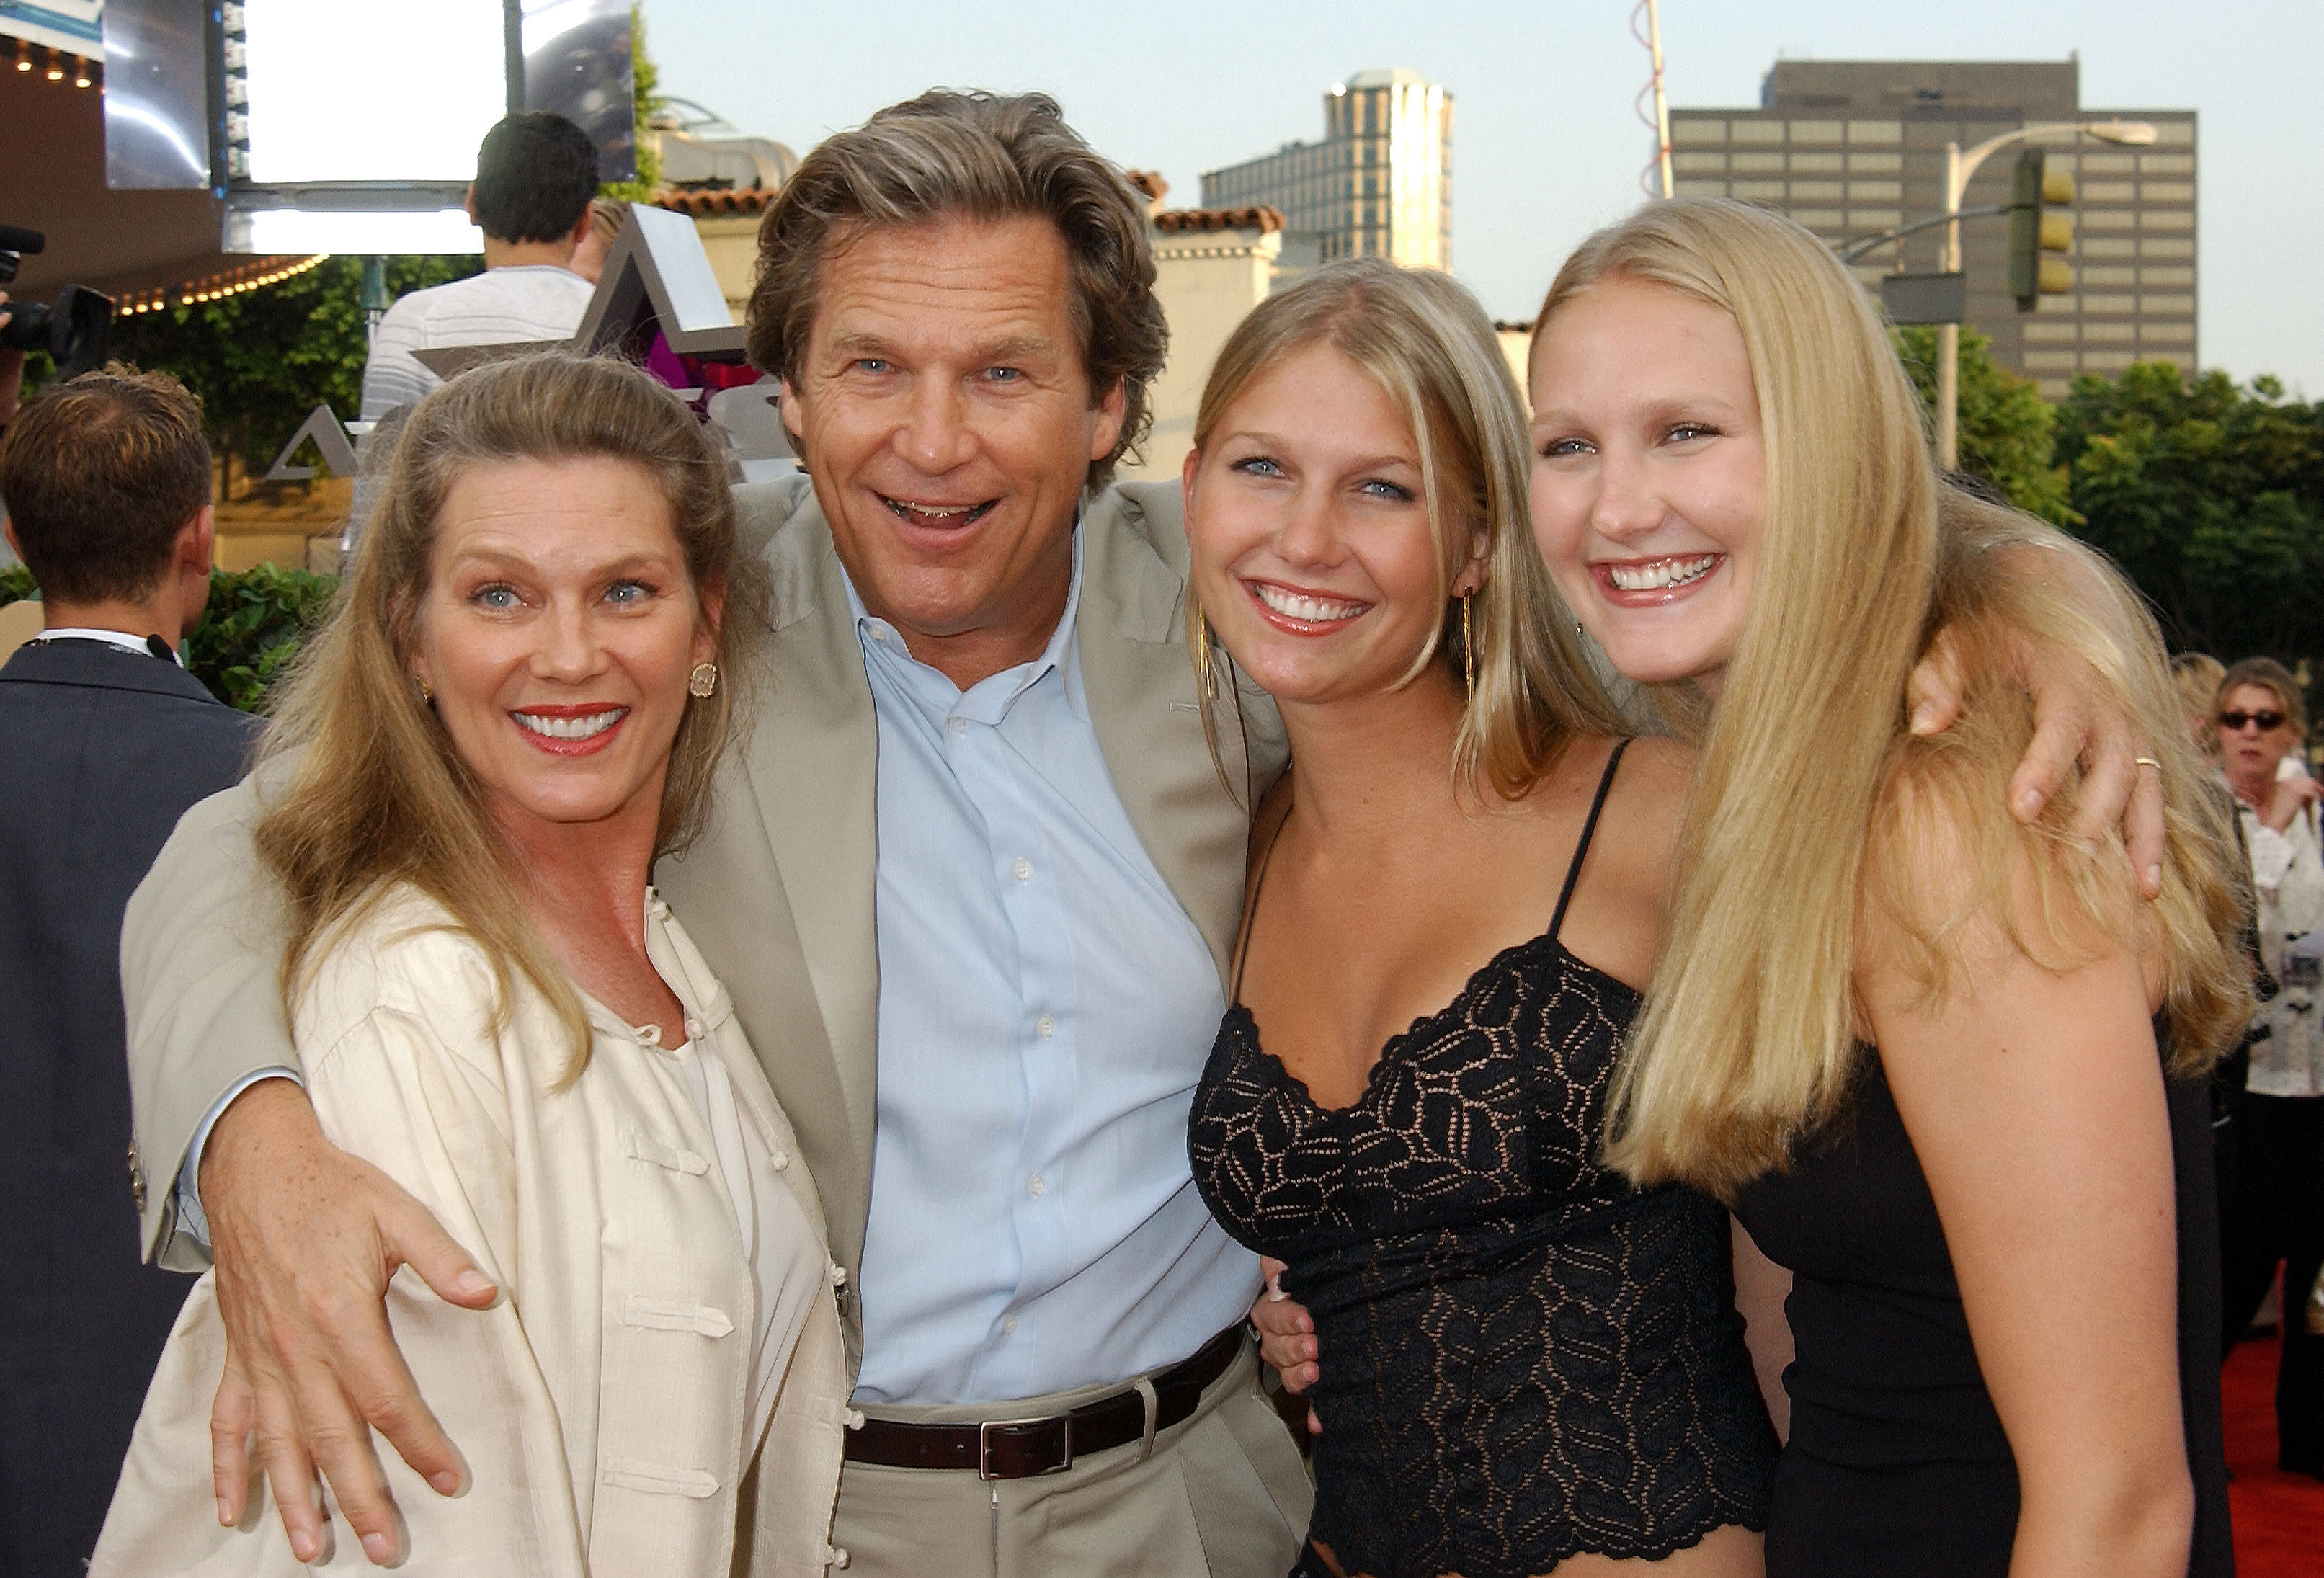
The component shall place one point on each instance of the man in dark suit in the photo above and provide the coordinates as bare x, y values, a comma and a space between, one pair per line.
105, 740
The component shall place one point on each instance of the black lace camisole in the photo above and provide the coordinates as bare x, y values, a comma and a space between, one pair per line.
1523, 1356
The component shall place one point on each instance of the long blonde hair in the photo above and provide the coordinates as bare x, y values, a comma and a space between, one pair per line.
1432, 351
1748, 1040
370, 793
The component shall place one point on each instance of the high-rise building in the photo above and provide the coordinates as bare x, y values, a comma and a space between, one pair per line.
1854, 148
1379, 183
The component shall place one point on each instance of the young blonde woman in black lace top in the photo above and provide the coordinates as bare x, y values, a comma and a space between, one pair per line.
1532, 1364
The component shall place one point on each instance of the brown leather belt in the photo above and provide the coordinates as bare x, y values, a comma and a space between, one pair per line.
1019, 1449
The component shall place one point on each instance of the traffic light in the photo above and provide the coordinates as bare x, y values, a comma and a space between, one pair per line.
2036, 232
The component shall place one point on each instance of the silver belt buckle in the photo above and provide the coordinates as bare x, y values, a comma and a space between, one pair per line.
1064, 1422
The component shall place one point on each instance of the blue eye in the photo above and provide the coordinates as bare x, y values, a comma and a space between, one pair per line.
1005, 374
1685, 433
629, 594
496, 597
1380, 488
870, 365
1561, 448
1257, 465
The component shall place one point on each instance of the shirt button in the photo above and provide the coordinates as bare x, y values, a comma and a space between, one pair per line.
694, 1029
957, 726
1045, 1027
1024, 869
780, 1161
1038, 1186
1008, 1326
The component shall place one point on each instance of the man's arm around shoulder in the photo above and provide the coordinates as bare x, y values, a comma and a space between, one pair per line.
200, 982
306, 1236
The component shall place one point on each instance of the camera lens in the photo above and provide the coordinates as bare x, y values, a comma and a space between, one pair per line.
27, 328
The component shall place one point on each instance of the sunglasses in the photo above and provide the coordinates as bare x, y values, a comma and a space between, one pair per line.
2235, 721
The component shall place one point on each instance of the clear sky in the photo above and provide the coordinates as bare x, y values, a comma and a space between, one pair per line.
1546, 143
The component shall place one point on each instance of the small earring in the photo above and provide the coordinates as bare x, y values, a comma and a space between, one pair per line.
427, 696
703, 682
1206, 684
1577, 628
1468, 647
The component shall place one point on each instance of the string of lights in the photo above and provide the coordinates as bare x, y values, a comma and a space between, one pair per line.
235, 281
59, 65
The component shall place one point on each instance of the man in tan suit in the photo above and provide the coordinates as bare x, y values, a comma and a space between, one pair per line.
973, 887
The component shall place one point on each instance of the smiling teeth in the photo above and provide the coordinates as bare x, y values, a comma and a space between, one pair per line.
581, 728
1306, 609
939, 509
1669, 572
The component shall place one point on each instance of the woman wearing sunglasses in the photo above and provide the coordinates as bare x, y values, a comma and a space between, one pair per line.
2278, 1213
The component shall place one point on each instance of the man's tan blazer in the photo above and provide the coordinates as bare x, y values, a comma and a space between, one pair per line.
778, 893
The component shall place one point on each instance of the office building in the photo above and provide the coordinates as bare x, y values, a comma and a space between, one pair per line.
1854, 148
1379, 183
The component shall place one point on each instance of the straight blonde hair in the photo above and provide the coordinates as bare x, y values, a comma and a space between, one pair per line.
1430, 346
1748, 1040
370, 793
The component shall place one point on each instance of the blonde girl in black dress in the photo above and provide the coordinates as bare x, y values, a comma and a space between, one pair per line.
1944, 1061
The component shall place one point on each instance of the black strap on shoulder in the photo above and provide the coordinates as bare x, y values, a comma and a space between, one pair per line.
1589, 827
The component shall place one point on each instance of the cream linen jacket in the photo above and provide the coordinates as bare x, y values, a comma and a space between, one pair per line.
778, 890
601, 1404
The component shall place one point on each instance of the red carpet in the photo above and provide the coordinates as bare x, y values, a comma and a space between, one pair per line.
2279, 1518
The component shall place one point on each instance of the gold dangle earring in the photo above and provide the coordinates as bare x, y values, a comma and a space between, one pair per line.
1468, 647
1205, 688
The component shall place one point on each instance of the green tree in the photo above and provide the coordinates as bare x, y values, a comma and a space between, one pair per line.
254, 625
644, 77
262, 360
2210, 495
2007, 428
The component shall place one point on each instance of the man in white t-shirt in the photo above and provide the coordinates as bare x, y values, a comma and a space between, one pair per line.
535, 175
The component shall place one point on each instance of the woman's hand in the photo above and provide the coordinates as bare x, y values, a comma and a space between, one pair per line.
1286, 1337
306, 1238
2288, 797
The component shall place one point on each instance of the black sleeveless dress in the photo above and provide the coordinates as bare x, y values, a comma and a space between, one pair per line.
1523, 1357
1896, 1462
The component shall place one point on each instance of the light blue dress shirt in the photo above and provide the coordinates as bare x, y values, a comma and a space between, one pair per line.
1045, 1008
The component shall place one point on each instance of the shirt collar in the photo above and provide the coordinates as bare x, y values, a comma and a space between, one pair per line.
138, 645
876, 635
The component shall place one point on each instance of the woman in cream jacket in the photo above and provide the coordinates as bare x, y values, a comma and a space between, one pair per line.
515, 711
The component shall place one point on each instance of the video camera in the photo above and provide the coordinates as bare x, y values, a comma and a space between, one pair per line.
76, 330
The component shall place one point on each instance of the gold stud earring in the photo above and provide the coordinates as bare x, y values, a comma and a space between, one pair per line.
1468, 646
427, 696
703, 682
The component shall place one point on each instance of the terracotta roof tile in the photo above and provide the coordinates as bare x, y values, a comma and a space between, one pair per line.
1185, 221
709, 202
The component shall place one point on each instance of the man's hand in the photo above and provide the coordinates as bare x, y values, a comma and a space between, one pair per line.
304, 1238
1286, 1337
2077, 717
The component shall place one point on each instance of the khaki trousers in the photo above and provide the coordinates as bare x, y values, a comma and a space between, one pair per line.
1222, 1494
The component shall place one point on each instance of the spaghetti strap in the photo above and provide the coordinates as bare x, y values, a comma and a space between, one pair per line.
1250, 908
1580, 847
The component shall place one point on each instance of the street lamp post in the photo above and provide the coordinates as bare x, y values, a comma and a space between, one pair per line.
1958, 167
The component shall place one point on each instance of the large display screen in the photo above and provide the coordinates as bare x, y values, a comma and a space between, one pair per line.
360, 93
